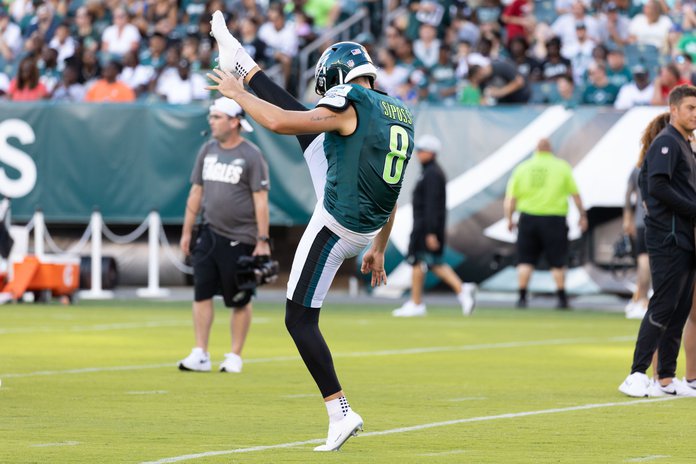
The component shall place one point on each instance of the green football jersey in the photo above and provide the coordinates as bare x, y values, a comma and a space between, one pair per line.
366, 169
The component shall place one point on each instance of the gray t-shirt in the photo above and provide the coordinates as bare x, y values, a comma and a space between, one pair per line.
229, 177
639, 211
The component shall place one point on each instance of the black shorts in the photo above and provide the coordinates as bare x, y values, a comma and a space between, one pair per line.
214, 259
419, 253
547, 234
639, 246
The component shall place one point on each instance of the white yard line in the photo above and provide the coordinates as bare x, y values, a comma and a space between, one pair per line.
361, 354
415, 428
113, 326
47, 445
648, 458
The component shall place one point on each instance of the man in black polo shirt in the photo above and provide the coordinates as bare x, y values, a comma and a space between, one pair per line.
668, 186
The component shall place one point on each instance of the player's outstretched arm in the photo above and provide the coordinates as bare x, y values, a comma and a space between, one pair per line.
277, 119
373, 260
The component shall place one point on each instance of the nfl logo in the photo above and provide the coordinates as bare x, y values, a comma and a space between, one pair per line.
665, 150
350, 63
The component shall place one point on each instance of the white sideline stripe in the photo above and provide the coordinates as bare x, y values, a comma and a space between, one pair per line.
415, 428
443, 453
151, 392
114, 326
468, 398
434, 349
648, 458
46, 445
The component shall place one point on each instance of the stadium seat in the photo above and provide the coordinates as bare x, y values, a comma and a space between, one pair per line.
647, 55
544, 92
544, 11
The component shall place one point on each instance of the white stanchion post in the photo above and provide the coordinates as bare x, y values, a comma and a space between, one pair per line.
39, 233
153, 289
96, 292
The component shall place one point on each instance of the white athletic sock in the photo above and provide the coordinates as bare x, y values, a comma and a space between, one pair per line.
337, 409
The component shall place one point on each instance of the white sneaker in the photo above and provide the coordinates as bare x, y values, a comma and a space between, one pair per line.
674, 388
197, 361
232, 363
635, 385
690, 384
410, 309
231, 55
341, 431
467, 298
635, 310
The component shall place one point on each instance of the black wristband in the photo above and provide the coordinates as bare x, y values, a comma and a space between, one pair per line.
264, 238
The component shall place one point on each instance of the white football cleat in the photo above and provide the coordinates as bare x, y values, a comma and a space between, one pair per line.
410, 309
690, 383
635, 385
232, 363
467, 298
231, 55
197, 361
674, 388
341, 431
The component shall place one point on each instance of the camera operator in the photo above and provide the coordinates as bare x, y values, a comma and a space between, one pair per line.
230, 186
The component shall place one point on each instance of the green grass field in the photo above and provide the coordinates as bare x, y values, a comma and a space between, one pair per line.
97, 383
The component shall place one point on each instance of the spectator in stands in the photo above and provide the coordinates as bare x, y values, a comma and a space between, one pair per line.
163, 15
48, 68
500, 82
4, 85
280, 38
254, 46
669, 78
598, 91
565, 26
10, 37
686, 67
155, 54
580, 52
613, 26
555, 64
638, 92
567, 95
108, 89
527, 66
184, 87
539, 189
135, 75
90, 69
519, 20
243, 9
63, 43
687, 44
69, 89
488, 14
190, 51
441, 79
617, 71
651, 26
434, 13
392, 78
466, 30
323, 13
121, 37
84, 30
427, 46
461, 60
26, 85
44, 24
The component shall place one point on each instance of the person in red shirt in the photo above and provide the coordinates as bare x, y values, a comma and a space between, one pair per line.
669, 78
26, 86
519, 20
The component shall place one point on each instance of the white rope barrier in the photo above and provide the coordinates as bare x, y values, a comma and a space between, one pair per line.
74, 249
93, 233
128, 238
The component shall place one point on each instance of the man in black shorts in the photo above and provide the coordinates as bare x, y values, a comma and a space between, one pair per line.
230, 186
539, 189
668, 185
